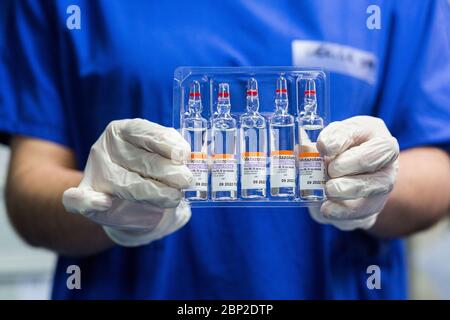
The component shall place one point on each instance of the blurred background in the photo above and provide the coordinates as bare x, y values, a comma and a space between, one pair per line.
26, 272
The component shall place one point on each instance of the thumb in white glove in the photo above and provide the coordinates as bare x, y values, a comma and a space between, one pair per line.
132, 182
362, 159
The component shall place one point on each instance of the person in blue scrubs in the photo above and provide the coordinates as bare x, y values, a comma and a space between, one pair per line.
61, 86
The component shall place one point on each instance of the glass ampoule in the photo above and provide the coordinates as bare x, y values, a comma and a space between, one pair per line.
282, 143
253, 146
224, 136
311, 164
194, 131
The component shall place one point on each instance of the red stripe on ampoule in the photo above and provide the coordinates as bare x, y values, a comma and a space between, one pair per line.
194, 94
281, 91
310, 92
252, 92
223, 94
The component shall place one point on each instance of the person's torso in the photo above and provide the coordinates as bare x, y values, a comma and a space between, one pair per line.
120, 64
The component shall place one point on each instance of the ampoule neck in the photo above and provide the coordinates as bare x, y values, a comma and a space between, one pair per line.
281, 108
312, 118
310, 100
252, 105
223, 101
310, 112
223, 111
252, 113
195, 114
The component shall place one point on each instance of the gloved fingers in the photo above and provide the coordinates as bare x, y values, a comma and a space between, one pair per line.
132, 186
353, 209
344, 225
173, 219
316, 215
128, 238
362, 185
178, 218
130, 216
111, 211
338, 136
350, 225
369, 156
85, 200
150, 165
153, 137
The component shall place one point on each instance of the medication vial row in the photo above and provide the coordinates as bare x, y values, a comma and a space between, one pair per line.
223, 163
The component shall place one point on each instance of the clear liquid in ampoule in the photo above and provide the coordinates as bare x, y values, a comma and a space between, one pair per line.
282, 142
253, 147
311, 164
194, 131
224, 134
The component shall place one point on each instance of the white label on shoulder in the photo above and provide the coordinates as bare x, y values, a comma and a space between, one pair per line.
224, 174
335, 57
311, 171
253, 170
282, 169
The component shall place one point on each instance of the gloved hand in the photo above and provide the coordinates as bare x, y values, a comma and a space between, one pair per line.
132, 182
361, 156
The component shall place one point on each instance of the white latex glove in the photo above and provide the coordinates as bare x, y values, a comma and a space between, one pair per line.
132, 182
361, 155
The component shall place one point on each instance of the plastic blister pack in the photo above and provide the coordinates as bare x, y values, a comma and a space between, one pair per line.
253, 133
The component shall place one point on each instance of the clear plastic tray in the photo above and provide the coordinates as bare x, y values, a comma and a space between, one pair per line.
187, 118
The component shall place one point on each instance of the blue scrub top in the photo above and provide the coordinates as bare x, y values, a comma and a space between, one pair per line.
66, 85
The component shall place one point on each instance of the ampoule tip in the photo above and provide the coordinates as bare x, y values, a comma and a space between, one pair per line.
194, 92
252, 88
310, 88
224, 90
281, 86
